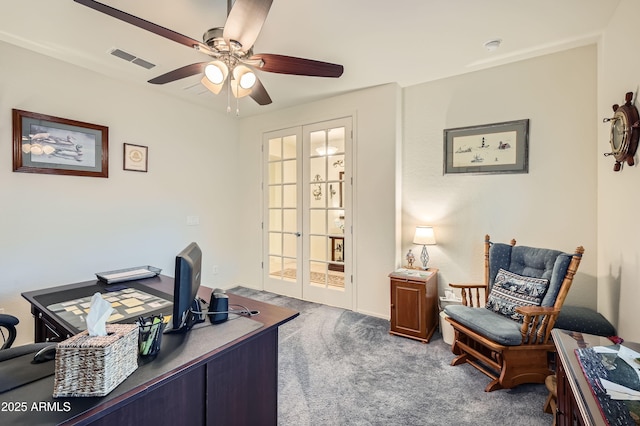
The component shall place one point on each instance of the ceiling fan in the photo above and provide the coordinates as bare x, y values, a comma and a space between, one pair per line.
231, 50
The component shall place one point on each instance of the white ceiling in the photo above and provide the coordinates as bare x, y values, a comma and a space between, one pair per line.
378, 42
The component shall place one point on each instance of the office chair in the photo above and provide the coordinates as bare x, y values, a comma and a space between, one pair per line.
8, 334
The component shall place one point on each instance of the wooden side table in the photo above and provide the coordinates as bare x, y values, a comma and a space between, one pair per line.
414, 303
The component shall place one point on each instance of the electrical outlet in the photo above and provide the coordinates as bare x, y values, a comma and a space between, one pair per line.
193, 220
1, 310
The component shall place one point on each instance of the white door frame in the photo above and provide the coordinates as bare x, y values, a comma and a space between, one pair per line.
280, 235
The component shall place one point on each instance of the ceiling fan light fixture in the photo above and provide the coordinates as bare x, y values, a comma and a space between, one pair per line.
247, 80
329, 150
237, 90
216, 72
213, 88
245, 77
228, 46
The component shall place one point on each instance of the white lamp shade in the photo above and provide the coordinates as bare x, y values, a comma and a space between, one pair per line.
237, 90
245, 76
216, 72
214, 88
424, 236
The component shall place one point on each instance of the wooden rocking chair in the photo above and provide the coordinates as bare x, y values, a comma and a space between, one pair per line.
509, 338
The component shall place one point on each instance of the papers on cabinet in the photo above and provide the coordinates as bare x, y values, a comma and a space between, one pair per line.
617, 390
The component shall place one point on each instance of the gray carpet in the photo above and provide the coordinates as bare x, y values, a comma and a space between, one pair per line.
338, 367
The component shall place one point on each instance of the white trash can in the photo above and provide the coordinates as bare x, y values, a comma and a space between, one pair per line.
446, 329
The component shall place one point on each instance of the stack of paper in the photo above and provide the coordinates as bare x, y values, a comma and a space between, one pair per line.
138, 272
615, 390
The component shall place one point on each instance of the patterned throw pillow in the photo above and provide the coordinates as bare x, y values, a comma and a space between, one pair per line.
511, 290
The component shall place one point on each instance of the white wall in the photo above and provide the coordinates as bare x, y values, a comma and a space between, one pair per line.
618, 200
553, 206
376, 113
61, 229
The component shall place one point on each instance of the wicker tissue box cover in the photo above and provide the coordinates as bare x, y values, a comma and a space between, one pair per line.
94, 366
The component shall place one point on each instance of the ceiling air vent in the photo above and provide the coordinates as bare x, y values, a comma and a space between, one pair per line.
131, 58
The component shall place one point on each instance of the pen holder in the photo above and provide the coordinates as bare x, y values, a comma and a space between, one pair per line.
150, 335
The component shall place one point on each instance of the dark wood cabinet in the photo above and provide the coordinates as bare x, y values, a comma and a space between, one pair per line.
568, 412
414, 303
576, 403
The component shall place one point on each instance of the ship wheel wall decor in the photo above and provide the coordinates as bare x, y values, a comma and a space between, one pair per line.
625, 131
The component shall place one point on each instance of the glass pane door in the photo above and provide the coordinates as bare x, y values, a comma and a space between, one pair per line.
326, 211
327, 207
282, 222
307, 213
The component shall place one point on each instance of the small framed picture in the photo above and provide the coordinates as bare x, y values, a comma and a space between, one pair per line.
135, 157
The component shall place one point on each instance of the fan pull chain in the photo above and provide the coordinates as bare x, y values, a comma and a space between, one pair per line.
229, 96
237, 100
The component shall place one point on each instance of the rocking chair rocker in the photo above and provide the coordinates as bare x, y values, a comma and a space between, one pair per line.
509, 338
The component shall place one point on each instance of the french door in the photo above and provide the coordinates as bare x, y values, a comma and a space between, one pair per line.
307, 210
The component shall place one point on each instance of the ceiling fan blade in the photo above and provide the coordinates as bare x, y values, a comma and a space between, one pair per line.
177, 74
145, 25
298, 66
245, 21
259, 93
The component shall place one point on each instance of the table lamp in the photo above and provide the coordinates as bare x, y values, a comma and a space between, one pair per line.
424, 236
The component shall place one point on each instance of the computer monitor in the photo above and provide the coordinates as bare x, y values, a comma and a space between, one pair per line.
186, 308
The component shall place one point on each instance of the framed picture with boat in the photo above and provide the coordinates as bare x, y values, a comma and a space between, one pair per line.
54, 145
489, 148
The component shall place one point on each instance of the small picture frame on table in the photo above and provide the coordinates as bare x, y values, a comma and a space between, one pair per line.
135, 158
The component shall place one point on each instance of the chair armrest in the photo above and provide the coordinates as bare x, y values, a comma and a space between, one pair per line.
473, 293
454, 285
537, 310
8, 322
537, 323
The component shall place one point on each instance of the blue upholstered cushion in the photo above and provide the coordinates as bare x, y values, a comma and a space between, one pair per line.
584, 320
531, 262
495, 327
512, 290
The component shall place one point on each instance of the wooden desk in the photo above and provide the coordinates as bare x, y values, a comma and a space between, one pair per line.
188, 382
576, 403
